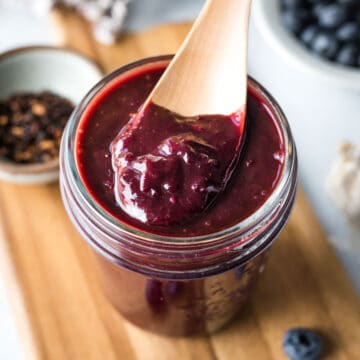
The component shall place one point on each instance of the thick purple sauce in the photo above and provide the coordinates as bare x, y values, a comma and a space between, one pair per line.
174, 174
253, 180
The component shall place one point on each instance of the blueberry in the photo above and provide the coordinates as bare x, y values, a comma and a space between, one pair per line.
348, 2
357, 15
333, 15
302, 344
349, 32
325, 44
348, 55
292, 3
317, 8
295, 19
308, 34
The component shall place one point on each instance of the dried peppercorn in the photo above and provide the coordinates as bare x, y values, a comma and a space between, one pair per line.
31, 126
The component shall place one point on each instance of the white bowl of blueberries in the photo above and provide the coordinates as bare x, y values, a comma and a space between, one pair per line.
318, 36
307, 53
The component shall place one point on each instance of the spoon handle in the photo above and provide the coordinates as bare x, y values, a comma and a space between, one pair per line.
211, 64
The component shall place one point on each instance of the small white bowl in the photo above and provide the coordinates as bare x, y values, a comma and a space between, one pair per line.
34, 69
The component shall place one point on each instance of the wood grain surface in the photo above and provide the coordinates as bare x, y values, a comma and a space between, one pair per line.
60, 307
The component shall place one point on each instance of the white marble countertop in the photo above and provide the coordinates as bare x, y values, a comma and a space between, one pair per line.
20, 28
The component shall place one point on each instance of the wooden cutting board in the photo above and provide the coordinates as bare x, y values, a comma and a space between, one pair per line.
62, 313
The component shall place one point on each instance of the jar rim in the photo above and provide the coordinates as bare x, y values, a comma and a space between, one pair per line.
69, 140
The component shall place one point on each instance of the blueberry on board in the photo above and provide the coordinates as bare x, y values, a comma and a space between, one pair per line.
302, 344
332, 15
349, 32
295, 19
325, 44
348, 55
308, 34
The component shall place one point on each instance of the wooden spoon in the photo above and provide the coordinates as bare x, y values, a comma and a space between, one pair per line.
182, 171
208, 75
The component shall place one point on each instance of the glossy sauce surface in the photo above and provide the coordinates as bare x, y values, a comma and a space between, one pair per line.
174, 174
252, 182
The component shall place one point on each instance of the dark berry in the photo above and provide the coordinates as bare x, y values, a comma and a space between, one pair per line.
295, 19
348, 55
308, 34
291, 3
348, 2
325, 45
349, 32
333, 15
302, 344
317, 8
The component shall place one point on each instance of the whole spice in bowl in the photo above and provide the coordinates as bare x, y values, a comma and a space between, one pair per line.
31, 126
39, 85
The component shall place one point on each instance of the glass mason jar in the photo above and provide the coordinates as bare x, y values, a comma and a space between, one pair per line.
177, 286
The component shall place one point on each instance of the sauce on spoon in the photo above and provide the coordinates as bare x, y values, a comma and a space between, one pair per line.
170, 168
